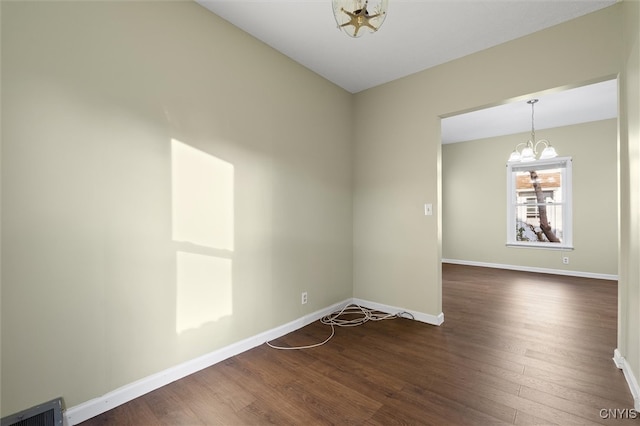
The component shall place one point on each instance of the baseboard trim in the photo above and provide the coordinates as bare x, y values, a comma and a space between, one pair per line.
418, 316
533, 269
623, 365
96, 406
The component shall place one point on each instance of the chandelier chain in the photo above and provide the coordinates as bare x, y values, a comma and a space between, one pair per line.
533, 129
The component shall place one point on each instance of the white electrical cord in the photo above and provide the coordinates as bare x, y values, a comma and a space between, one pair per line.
334, 320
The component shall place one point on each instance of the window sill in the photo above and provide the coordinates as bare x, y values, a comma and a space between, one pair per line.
543, 246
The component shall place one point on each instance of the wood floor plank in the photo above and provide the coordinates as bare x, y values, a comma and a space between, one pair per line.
486, 401
169, 408
207, 406
223, 391
584, 411
515, 348
612, 388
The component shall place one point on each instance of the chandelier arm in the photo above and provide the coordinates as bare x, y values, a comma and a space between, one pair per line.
543, 141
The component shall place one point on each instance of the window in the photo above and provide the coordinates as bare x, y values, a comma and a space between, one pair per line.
539, 204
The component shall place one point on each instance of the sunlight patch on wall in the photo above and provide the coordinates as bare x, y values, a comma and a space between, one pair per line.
202, 187
204, 291
203, 227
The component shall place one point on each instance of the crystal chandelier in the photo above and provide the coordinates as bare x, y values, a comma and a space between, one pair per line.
355, 17
527, 151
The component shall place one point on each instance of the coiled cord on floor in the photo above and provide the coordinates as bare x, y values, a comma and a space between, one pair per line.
334, 320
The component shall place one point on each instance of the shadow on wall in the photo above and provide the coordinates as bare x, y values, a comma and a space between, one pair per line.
203, 228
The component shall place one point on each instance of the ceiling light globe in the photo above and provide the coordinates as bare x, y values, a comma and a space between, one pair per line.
549, 152
357, 17
527, 154
515, 156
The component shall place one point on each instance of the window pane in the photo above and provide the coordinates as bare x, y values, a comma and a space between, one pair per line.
529, 228
530, 200
550, 182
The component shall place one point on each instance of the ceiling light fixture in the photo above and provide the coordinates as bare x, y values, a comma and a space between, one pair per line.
527, 151
353, 15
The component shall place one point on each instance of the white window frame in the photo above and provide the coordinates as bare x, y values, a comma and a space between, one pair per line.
565, 165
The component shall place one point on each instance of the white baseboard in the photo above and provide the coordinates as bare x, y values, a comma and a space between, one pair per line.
418, 316
94, 407
533, 269
623, 365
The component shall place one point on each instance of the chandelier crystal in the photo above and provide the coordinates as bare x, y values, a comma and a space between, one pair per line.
356, 17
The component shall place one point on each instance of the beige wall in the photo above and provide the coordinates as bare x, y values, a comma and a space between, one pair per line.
94, 265
397, 161
629, 287
474, 200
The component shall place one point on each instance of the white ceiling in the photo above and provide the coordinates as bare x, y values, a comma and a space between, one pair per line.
583, 104
416, 35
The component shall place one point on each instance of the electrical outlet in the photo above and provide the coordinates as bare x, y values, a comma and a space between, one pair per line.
565, 260
303, 298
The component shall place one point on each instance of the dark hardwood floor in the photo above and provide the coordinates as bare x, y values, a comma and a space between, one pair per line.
515, 348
